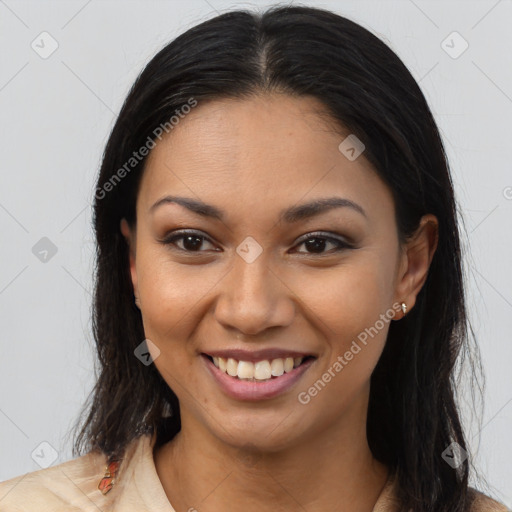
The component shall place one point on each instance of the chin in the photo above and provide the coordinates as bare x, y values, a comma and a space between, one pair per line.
262, 431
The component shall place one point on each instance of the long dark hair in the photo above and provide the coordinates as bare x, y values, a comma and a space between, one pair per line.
413, 414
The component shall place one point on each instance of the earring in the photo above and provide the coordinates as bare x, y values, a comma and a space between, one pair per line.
108, 481
404, 308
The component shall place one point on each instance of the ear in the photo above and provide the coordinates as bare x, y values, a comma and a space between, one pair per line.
415, 261
129, 235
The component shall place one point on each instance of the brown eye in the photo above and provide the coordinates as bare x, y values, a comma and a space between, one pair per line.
316, 244
191, 241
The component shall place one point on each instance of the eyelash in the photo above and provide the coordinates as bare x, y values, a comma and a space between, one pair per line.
340, 244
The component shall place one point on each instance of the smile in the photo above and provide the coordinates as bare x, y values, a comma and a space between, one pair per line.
258, 380
258, 371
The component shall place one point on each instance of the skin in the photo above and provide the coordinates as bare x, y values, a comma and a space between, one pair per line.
252, 158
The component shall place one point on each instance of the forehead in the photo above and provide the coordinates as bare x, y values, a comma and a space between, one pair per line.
259, 152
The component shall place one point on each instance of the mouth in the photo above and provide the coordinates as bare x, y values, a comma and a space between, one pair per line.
259, 379
258, 371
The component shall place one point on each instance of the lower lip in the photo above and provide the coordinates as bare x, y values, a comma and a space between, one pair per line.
251, 390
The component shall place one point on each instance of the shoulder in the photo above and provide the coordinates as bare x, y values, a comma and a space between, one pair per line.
69, 485
388, 500
482, 503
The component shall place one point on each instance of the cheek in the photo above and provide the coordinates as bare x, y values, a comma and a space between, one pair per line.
349, 298
171, 293
171, 297
352, 309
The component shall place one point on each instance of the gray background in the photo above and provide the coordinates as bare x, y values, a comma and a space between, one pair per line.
56, 114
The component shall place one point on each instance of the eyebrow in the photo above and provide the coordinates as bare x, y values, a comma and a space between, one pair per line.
290, 215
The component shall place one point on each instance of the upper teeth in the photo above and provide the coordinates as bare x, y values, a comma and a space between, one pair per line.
261, 370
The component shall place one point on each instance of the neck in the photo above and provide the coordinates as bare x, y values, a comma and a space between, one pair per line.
330, 470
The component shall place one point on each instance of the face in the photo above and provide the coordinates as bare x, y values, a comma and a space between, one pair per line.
245, 277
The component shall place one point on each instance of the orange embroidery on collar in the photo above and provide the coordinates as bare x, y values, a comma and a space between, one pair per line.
107, 482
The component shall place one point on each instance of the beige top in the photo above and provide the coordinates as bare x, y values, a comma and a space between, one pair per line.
72, 486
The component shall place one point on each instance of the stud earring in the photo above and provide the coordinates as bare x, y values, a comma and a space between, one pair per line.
404, 308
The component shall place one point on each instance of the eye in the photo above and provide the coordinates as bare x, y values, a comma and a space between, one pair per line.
317, 242
192, 241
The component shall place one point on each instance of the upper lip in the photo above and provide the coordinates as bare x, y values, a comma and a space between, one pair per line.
256, 355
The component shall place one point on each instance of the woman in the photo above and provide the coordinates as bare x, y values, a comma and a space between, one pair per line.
279, 299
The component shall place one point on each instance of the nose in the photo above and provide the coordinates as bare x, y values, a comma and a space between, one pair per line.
253, 299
